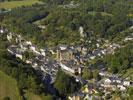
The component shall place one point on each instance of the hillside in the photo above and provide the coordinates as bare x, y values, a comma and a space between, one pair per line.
54, 48
58, 22
8, 87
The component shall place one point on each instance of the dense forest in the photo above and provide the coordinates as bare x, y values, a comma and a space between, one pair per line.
99, 18
121, 60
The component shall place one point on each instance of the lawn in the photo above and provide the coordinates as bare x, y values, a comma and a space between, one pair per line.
14, 4
8, 87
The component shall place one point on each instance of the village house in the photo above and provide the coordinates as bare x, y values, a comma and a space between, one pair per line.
9, 37
85, 93
78, 48
109, 50
97, 45
84, 50
92, 57
23, 46
33, 48
1, 31
20, 39
43, 52
81, 31
121, 88
97, 52
107, 81
28, 61
71, 67
102, 74
89, 89
71, 5
15, 51
19, 56
53, 51
28, 43
64, 53
126, 83
116, 80
34, 65
128, 38
103, 51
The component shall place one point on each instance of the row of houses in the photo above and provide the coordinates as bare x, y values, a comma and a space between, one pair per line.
71, 5
71, 67
64, 52
46, 65
105, 87
87, 92
14, 50
66, 56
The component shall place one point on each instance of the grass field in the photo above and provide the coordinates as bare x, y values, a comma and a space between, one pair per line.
8, 87
31, 96
13, 4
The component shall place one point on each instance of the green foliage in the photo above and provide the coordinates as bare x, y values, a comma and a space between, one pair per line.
6, 98
96, 74
28, 55
121, 60
64, 81
130, 91
24, 74
87, 74
99, 18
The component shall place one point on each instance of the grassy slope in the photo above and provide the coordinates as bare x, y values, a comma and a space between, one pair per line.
31, 96
14, 4
8, 87
129, 74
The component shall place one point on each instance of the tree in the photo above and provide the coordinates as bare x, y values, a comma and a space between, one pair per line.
6, 98
65, 84
130, 91
96, 74
61, 83
87, 74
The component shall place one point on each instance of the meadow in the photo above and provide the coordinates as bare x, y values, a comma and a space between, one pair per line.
14, 4
31, 96
8, 87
